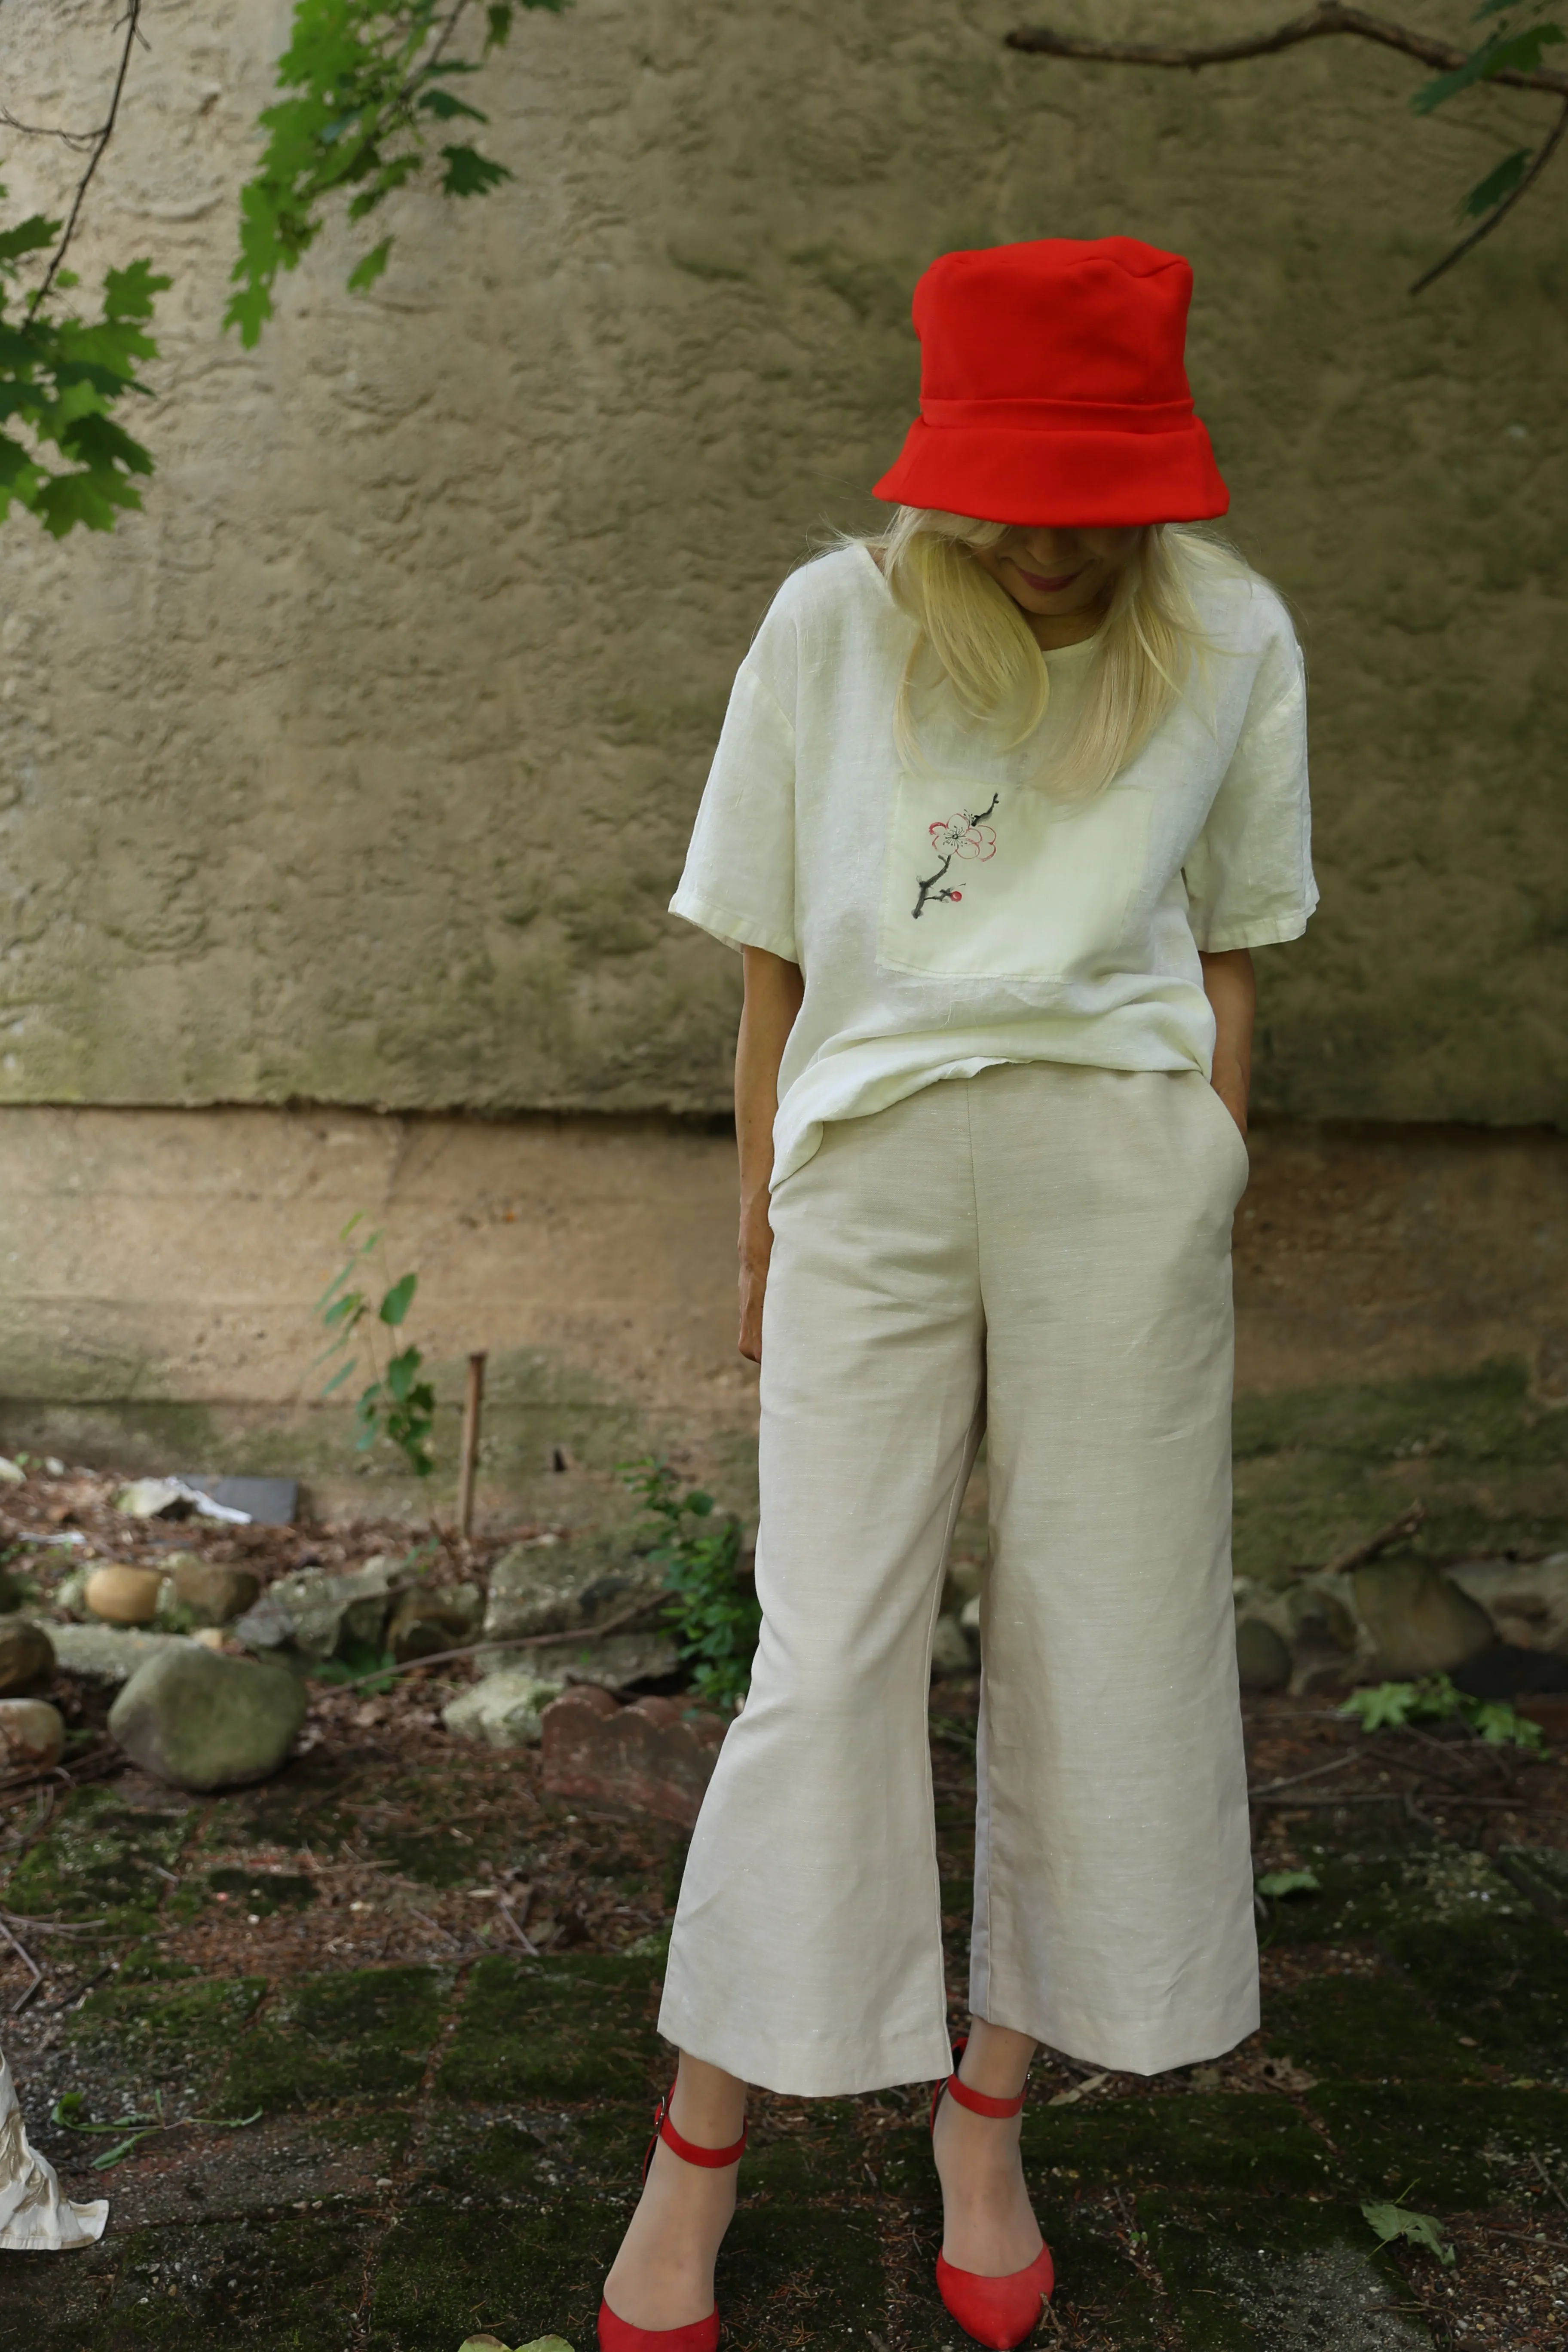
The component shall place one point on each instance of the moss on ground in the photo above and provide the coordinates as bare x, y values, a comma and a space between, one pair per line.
103, 1861
569, 2029
1367, 2028
1455, 2148
1245, 2141
1267, 2274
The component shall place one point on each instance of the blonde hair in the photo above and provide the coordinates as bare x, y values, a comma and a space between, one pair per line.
975, 643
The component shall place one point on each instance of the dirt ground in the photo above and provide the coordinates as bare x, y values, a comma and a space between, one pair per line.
398, 2007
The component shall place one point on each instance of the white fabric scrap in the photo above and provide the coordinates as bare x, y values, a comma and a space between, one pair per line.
34, 2219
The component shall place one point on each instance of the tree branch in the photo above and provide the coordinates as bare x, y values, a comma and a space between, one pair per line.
132, 13
1543, 156
1321, 24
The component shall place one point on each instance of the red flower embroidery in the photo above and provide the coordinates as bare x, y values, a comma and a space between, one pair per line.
961, 835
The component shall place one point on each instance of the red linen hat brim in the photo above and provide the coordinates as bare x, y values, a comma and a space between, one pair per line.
1077, 478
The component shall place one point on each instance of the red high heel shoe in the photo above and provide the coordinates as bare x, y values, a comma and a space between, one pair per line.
999, 2312
617, 2335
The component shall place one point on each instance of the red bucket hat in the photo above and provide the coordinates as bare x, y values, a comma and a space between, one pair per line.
1053, 388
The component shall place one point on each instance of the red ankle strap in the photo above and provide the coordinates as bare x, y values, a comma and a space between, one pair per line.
688, 2149
979, 2104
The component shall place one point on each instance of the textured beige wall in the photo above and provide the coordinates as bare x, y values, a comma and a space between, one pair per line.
360, 767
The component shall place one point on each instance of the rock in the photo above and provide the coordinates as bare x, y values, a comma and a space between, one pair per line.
1506, 1672
1527, 1600
210, 1637
949, 1650
1420, 1622
654, 1757
613, 1662
204, 1722
123, 1596
1262, 1656
210, 1591
424, 1623
549, 1586
153, 1498
13, 1593
108, 1655
27, 1657
32, 1732
318, 1614
503, 1710
11, 1473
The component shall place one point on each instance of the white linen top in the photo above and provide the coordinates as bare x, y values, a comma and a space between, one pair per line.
956, 914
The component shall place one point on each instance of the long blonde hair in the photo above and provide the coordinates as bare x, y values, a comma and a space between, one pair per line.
981, 649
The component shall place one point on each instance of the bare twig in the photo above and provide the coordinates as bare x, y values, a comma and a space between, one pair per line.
514, 1642
1269, 1787
50, 130
1551, 2184
52, 1926
1537, 164
102, 139
524, 1896
25, 1956
1409, 1519
1320, 22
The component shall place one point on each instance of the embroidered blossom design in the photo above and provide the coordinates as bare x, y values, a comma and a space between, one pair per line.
966, 834
962, 836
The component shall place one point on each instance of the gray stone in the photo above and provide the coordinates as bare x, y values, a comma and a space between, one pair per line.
210, 1591
1420, 1622
503, 1710
200, 1721
424, 1623
612, 1662
266, 1502
13, 1593
317, 1614
27, 1657
949, 1649
1526, 1600
551, 1587
1262, 1656
108, 1654
32, 1733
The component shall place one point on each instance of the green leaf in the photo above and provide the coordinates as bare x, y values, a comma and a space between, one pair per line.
113, 2156
129, 293
339, 1377
1500, 52
1498, 184
470, 174
445, 107
498, 24
1276, 1883
1392, 2222
364, 273
30, 235
397, 1301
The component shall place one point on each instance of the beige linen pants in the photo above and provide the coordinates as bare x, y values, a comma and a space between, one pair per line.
1042, 1253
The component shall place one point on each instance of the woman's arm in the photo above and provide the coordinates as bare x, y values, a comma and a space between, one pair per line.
1231, 987
773, 992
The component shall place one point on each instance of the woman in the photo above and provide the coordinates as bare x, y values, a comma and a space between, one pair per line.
1003, 801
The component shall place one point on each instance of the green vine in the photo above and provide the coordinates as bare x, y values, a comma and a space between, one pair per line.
714, 1616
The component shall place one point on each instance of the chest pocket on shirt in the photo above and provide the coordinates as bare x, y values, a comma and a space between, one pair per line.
984, 882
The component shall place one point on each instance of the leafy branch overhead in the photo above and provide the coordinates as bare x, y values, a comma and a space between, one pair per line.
1509, 56
371, 93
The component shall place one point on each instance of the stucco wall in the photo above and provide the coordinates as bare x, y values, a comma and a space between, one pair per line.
360, 767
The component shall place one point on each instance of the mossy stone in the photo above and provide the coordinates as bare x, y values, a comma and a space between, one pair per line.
101, 1860
446, 2272
1237, 2141
1503, 1979
1364, 2029
201, 1721
1262, 2273
570, 2029
1262, 1655
1453, 2146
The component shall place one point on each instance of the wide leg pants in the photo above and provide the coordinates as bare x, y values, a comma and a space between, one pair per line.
1042, 1253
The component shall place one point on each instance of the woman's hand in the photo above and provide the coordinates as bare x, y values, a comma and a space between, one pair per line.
773, 992
1231, 988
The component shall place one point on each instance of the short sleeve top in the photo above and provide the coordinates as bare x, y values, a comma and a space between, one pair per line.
952, 912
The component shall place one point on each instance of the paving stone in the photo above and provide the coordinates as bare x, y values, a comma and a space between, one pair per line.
792, 2274
124, 2044
365, 2034
1366, 2029
447, 2272
1454, 2148
1245, 2140
568, 2029
102, 1860
1504, 1980
1278, 2275
498, 2155
292, 2287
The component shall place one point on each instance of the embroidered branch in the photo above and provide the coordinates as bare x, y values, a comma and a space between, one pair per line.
961, 836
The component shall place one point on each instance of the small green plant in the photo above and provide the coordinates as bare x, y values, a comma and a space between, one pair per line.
714, 1617
66, 2114
1390, 1705
1276, 1883
1396, 2221
398, 1405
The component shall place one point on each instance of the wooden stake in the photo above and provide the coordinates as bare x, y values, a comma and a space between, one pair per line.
473, 1402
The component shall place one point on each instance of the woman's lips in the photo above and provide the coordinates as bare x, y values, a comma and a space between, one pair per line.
1046, 587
